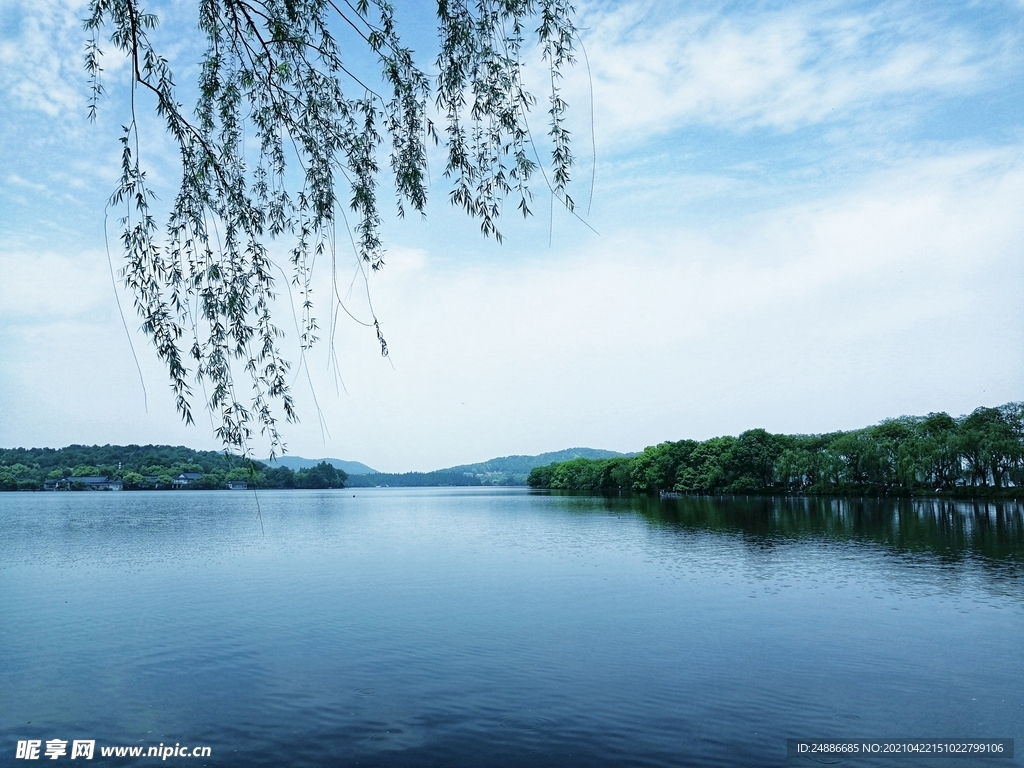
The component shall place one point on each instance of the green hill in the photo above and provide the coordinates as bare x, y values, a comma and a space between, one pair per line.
504, 470
295, 463
513, 470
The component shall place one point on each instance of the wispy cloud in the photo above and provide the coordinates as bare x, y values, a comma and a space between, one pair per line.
36, 71
817, 315
656, 70
776, 250
15, 180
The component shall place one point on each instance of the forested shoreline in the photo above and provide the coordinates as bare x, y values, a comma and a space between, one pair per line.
151, 467
980, 454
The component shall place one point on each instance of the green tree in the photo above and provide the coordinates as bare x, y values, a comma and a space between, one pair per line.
284, 132
18, 477
940, 450
707, 468
655, 469
246, 474
863, 459
279, 477
134, 481
752, 460
323, 475
990, 444
541, 477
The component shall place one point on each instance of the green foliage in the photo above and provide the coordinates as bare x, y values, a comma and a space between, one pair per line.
655, 469
513, 470
146, 467
323, 475
284, 135
583, 474
17, 477
413, 479
134, 481
978, 454
279, 477
707, 468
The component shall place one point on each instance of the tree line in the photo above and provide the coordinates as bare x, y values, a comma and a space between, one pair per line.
153, 467
439, 478
978, 454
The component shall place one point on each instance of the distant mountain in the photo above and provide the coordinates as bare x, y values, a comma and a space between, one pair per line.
505, 470
411, 480
521, 465
295, 463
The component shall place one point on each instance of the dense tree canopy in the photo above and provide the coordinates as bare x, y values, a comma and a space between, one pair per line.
284, 136
982, 452
152, 467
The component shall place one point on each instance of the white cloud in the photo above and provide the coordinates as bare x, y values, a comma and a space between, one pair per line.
899, 297
777, 69
41, 65
43, 286
824, 303
15, 180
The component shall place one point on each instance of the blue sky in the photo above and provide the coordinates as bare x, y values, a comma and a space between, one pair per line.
809, 217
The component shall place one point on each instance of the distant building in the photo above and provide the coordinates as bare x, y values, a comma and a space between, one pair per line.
186, 479
83, 484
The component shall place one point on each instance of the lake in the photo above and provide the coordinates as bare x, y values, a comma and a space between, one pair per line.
506, 627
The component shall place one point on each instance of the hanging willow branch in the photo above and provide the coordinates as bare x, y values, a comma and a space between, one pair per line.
273, 76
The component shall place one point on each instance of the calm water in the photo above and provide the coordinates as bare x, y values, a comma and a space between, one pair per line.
505, 628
